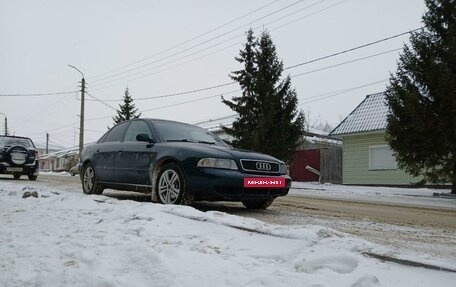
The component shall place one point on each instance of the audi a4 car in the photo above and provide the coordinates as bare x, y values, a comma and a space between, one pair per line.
180, 163
18, 156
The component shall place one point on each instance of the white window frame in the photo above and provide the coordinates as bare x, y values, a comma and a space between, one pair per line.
371, 162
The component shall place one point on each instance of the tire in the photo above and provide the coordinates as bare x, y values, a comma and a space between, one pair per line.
72, 174
258, 204
16, 175
172, 186
89, 180
32, 177
16, 148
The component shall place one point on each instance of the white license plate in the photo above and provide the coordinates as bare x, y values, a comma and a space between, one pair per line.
14, 169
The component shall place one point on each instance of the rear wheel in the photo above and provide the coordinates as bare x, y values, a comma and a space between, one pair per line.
258, 203
172, 186
32, 176
16, 175
89, 181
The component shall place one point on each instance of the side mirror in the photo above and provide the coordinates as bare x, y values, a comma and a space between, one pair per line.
144, 138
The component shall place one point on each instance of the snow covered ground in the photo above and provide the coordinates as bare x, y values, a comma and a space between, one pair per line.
390, 195
65, 238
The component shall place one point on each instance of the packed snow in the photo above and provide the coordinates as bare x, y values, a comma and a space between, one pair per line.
66, 238
390, 195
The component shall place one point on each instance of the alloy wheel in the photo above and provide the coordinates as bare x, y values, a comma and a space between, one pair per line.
169, 186
89, 177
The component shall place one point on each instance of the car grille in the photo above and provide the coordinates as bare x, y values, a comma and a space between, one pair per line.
259, 166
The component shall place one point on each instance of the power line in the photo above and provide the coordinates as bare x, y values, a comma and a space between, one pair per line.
113, 78
57, 128
344, 63
100, 85
186, 92
315, 98
190, 40
37, 95
202, 43
100, 101
39, 112
178, 93
191, 101
350, 50
292, 76
340, 92
305, 63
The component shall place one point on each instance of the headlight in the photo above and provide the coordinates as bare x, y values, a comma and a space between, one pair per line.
283, 169
217, 163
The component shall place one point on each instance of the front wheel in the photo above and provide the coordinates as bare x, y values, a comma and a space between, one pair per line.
258, 204
89, 180
172, 186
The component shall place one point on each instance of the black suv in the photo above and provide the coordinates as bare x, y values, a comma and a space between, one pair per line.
18, 156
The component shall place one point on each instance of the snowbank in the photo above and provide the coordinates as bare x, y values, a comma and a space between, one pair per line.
67, 238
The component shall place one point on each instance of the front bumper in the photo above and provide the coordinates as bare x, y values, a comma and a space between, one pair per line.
224, 184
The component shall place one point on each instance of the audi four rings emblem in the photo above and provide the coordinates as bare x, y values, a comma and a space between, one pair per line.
263, 166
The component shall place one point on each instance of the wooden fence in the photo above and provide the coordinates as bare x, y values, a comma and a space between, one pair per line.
322, 164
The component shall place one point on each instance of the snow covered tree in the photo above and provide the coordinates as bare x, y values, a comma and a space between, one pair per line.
127, 110
421, 96
268, 120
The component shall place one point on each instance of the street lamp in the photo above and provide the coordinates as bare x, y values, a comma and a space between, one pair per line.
6, 124
81, 118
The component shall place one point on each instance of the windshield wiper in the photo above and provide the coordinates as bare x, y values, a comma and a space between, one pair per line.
191, 141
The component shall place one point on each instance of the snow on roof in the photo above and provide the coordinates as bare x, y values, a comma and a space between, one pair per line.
215, 125
370, 115
61, 153
41, 145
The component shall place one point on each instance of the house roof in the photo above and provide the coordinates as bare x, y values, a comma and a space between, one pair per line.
61, 153
369, 115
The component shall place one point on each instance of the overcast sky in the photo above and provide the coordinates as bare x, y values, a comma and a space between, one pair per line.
158, 48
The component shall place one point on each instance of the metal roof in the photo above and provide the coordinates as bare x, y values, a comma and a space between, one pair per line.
370, 115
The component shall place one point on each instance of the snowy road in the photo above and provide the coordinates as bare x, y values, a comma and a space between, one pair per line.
66, 238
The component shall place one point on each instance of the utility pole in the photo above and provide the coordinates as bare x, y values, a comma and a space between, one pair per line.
6, 124
81, 116
47, 143
81, 120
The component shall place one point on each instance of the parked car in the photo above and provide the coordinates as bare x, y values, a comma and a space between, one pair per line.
74, 170
179, 163
18, 156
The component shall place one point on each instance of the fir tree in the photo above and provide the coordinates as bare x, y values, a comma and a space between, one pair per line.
127, 110
268, 120
245, 105
421, 95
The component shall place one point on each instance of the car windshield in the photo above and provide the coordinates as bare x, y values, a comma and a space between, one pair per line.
7, 141
172, 131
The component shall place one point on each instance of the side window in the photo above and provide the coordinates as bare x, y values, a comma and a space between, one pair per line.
136, 128
117, 133
381, 157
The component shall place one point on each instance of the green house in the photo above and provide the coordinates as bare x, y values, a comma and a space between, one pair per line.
366, 157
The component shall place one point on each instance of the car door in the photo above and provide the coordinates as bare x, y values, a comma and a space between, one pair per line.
133, 161
106, 150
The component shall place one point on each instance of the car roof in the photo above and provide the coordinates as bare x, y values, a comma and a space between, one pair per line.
161, 120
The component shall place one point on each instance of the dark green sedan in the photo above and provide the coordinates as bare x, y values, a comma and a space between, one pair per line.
180, 163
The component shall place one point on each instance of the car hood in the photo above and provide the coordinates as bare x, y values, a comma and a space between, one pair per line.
221, 151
